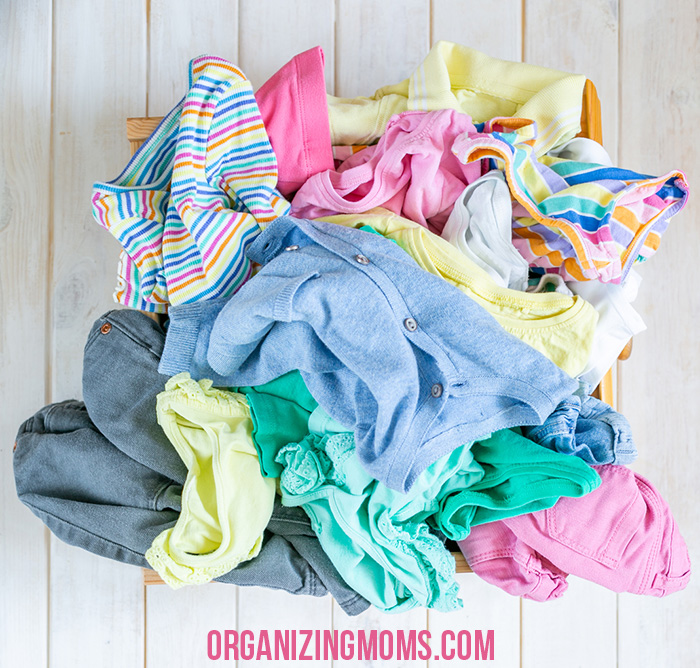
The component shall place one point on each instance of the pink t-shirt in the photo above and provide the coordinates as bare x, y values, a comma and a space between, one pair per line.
411, 171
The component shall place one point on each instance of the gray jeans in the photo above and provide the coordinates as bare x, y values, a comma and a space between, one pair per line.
103, 476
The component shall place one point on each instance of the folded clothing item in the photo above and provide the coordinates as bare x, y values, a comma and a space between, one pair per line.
480, 225
498, 556
120, 386
621, 536
382, 541
618, 322
412, 376
588, 428
517, 477
292, 104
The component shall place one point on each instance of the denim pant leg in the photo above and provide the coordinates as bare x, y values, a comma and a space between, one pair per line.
89, 493
589, 429
120, 385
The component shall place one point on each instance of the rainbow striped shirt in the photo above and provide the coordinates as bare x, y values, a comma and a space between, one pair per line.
581, 220
194, 196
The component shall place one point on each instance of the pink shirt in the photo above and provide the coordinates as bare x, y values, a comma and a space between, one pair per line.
411, 171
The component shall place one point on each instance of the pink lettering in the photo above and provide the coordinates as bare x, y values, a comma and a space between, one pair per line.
230, 644
263, 646
302, 655
481, 648
367, 649
347, 647
447, 653
386, 649
247, 648
214, 655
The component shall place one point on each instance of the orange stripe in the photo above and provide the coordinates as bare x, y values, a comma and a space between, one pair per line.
216, 63
538, 246
226, 138
623, 215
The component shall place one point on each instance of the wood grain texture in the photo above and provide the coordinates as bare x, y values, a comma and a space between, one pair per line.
178, 32
272, 610
378, 43
375, 620
562, 34
485, 608
470, 22
660, 383
178, 623
25, 107
96, 605
567, 632
272, 31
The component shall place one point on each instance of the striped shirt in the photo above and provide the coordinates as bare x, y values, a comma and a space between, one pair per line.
581, 220
194, 196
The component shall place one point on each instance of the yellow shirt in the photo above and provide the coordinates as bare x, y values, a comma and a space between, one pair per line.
457, 77
558, 326
226, 502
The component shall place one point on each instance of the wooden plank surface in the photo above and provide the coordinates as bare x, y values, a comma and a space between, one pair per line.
659, 384
25, 107
271, 609
178, 32
567, 632
178, 623
486, 608
96, 614
469, 22
272, 31
378, 43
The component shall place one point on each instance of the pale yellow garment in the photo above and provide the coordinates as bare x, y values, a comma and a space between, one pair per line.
457, 77
226, 502
558, 326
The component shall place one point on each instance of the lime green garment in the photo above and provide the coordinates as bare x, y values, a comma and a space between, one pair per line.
280, 412
457, 77
519, 477
559, 326
226, 502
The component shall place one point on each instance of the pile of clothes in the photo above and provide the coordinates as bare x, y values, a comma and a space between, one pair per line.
385, 317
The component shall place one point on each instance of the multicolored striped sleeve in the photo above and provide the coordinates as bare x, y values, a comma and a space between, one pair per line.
580, 220
195, 195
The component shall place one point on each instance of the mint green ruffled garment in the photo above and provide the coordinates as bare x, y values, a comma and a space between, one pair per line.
381, 540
